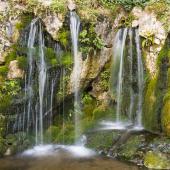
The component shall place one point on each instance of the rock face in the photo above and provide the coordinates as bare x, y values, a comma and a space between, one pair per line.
92, 65
71, 5
14, 71
53, 23
150, 28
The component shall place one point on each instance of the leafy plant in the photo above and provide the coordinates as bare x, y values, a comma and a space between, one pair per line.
66, 60
51, 57
22, 62
89, 40
148, 41
63, 37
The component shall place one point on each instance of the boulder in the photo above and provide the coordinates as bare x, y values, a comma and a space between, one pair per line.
71, 5
14, 71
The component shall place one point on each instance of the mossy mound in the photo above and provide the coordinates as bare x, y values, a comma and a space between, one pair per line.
156, 160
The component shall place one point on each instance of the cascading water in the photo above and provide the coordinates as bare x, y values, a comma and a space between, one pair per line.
131, 74
119, 44
120, 77
40, 85
140, 76
42, 82
74, 27
29, 85
120, 80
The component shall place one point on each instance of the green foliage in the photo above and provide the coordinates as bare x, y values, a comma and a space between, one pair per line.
22, 62
63, 37
51, 133
8, 90
66, 60
89, 40
59, 6
25, 20
3, 71
11, 56
87, 99
102, 112
148, 41
51, 57
126, 21
127, 4
108, 4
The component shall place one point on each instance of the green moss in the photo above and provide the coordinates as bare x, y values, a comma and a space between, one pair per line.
166, 117
152, 158
102, 112
100, 140
149, 117
129, 149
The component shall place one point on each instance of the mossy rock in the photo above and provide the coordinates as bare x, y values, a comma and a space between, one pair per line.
129, 150
156, 160
166, 118
101, 140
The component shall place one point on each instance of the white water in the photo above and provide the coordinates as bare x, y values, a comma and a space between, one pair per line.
42, 82
131, 75
50, 150
118, 70
140, 76
120, 53
74, 27
30, 45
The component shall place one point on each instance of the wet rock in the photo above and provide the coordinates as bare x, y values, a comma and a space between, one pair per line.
14, 71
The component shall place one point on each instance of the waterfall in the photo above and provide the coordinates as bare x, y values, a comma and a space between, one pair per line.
40, 85
120, 64
74, 27
131, 75
29, 85
140, 76
119, 52
42, 81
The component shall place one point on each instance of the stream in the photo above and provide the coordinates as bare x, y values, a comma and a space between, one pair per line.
62, 159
